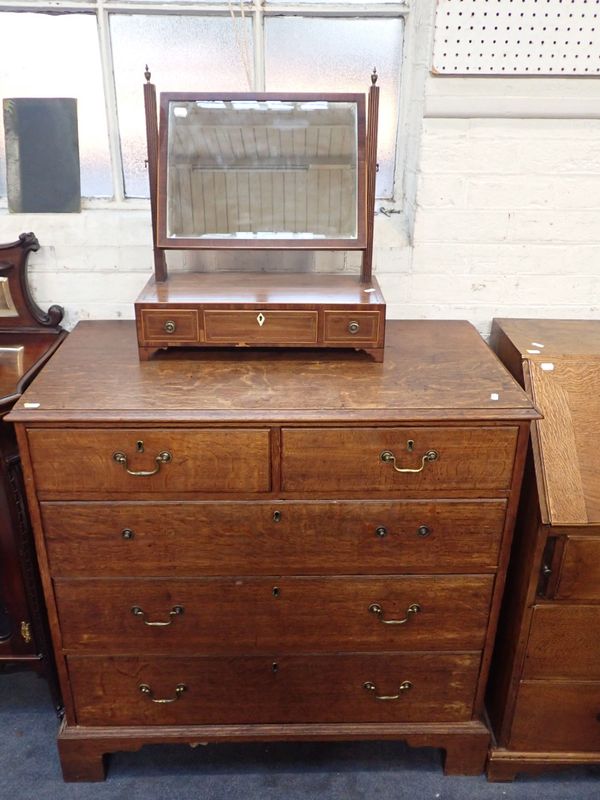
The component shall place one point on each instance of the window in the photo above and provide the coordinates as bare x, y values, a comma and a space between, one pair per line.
96, 51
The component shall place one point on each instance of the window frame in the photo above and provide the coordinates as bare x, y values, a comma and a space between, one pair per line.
257, 11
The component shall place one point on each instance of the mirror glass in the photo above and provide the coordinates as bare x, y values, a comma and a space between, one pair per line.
262, 170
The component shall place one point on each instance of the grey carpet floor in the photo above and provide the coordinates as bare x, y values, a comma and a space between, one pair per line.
29, 767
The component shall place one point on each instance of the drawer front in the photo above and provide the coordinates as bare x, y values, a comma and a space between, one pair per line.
351, 459
294, 615
170, 325
346, 327
564, 643
77, 462
553, 715
579, 577
271, 689
254, 538
261, 327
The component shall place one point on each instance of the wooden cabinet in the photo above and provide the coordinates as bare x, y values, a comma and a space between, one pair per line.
299, 566
544, 693
28, 337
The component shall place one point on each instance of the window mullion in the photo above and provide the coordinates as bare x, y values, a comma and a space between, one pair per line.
258, 28
110, 101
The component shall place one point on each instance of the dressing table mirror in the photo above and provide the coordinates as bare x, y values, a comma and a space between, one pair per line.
269, 194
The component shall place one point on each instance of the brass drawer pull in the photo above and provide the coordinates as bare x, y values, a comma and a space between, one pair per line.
161, 458
179, 690
170, 326
389, 458
405, 686
176, 611
353, 327
375, 608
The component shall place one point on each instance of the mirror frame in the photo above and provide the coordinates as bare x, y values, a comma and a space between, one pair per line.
169, 243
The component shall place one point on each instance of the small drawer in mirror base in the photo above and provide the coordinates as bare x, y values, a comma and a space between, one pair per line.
166, 326
352, 327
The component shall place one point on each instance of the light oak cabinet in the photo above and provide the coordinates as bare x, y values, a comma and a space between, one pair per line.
274, 547
544, 696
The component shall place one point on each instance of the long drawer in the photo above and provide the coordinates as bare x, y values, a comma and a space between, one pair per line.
195, 538
397, 459
564, 642
431, 687
241, 615
76, 462
557, 715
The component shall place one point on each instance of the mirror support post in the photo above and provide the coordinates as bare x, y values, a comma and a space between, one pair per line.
371, 164
160, 262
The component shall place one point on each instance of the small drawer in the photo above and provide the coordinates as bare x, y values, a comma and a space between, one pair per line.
563, 642
557, 715
429, 687
261, 327
229, 616
352, 326
579, 577
397, 459
132, 461
170, 325
249, 538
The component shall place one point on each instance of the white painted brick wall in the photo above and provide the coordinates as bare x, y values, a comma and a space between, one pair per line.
507, 223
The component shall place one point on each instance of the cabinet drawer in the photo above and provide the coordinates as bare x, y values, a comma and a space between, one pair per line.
351, 459
564, 643
76, 462
170, 325
579, 577
273, 689
261, 327
351, 326
256, 538
557, 715
294, 615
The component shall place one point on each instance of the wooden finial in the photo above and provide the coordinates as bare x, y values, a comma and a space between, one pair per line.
374, 76
147, 74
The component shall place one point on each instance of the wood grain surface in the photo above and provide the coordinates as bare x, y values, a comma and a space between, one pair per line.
432, 370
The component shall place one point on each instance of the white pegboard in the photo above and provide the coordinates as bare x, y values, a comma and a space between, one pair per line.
517, 37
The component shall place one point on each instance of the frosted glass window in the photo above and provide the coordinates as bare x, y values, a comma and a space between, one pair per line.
202, 54
309, 54
58, 56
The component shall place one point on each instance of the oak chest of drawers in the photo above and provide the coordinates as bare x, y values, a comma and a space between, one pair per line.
265, 545
545, 687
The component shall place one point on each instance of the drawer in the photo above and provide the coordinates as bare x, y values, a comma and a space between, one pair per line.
564, 643
351, 326
254, 538
273, 689
170, 325
579, 577
351, 459
557, 715
261, 327
82, 461
293, 615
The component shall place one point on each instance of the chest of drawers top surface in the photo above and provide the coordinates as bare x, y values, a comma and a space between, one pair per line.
431, 371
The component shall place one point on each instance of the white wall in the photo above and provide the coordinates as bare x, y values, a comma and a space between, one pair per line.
503, 186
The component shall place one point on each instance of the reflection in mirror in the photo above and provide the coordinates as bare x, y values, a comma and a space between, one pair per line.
249, 169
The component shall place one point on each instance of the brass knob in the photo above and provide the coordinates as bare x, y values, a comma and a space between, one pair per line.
423, 530
169, 326
353, 327
381, 531
127, 533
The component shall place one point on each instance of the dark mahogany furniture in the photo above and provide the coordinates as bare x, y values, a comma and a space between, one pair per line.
28, 337
544, 698
257, 545
284, 174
